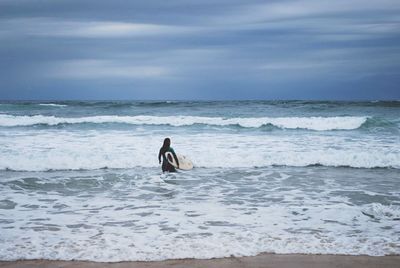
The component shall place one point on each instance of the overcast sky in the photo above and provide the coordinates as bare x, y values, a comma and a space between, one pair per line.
204, 49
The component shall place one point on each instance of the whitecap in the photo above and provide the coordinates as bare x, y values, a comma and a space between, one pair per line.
119, 149
52, 105
379, 211
310, 123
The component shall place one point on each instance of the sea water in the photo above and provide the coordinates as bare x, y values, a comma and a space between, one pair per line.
81, 180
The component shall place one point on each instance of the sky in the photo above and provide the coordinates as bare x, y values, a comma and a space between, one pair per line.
199, 50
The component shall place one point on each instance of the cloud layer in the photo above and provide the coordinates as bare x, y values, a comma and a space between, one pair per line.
302, 49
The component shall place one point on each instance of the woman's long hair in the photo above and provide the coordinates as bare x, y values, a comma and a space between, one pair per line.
166, 144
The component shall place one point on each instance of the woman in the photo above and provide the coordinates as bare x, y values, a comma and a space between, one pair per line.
166, 166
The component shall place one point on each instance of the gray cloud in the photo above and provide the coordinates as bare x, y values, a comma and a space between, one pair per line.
208, 49
102, 69
50, 27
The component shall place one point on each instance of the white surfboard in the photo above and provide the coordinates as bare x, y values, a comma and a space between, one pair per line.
184, 162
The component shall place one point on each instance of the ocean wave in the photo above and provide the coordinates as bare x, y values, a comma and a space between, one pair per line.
113, 166
310, 123
123, 150
379, 211
380, 123
52, 105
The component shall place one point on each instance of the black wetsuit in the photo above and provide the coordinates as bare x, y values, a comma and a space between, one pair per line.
166, 166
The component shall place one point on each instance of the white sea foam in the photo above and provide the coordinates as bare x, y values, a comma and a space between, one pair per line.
55, 150
379, 211
53, 105
114, 217
311, 123
223, 207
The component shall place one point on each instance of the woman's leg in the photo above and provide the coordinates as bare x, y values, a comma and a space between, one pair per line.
171, 168
164, 167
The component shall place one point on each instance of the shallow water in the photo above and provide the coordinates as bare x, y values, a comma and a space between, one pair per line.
94, 190
138, 214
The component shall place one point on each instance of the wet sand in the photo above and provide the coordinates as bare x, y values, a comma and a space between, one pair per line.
262, 260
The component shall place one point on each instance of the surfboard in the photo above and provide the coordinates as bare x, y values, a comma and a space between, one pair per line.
184, 162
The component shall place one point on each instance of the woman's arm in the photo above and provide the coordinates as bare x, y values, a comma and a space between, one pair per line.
159, 156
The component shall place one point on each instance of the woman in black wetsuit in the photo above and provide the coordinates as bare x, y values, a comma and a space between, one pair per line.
166, 166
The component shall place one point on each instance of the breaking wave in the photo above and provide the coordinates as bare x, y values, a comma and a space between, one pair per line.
379, 211
96, 150
52, 105
310, 123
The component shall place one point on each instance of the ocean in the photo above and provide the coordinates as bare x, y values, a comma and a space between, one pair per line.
81, 180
